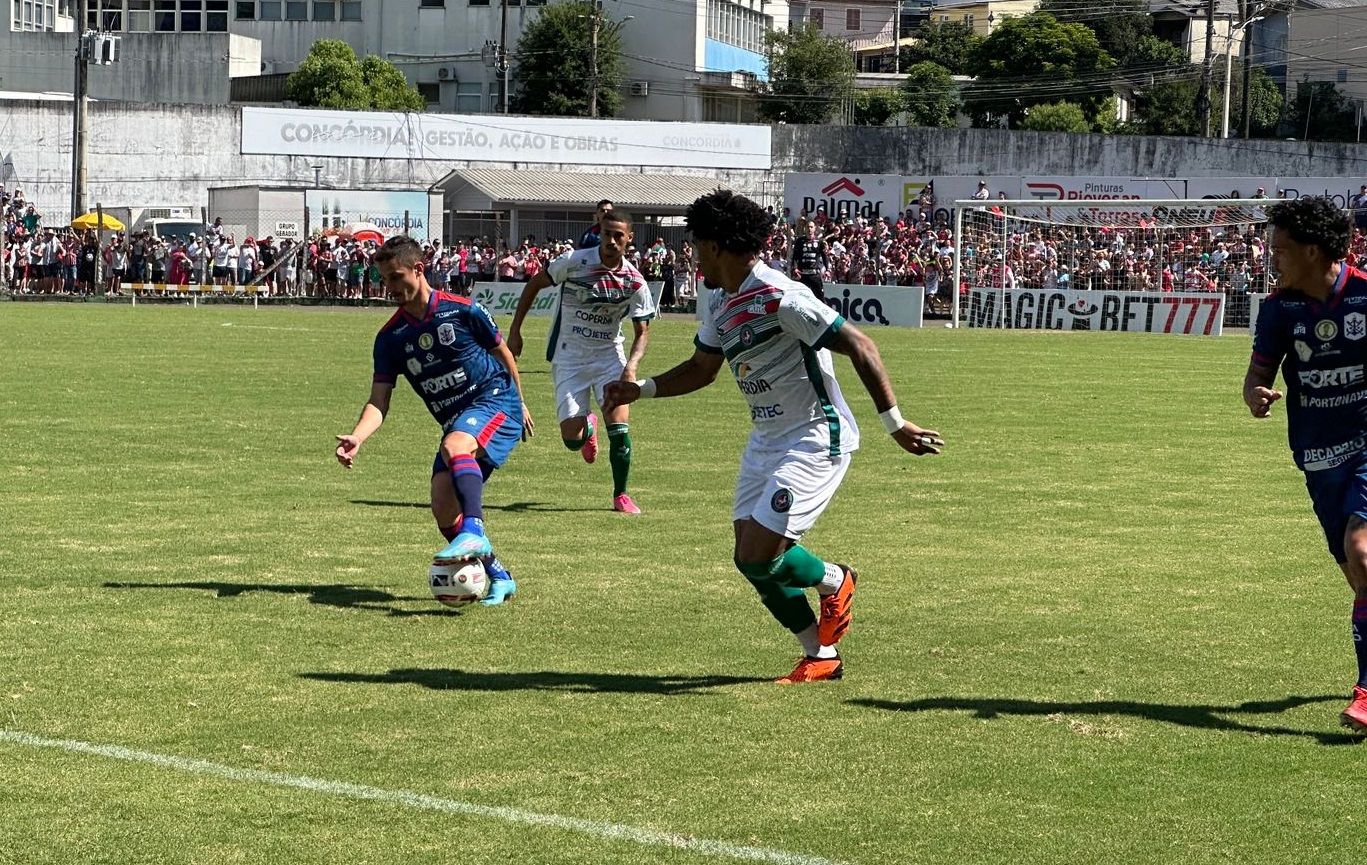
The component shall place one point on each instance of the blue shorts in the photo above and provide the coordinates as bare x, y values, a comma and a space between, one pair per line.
496, 425
1337, 495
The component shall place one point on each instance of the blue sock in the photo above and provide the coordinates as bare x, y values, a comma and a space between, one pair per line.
468, 479
1360, 638
494, 568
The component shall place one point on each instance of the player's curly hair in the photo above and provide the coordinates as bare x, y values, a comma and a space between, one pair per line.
1314, 220
733, 222
401, 249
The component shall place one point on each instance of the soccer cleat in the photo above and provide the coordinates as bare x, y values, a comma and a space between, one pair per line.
624, 505
1355, 716
500, 591
814, 670
836, 609
466, 546
590, 448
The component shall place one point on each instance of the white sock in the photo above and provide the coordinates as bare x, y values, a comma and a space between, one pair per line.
811, 644
832, 581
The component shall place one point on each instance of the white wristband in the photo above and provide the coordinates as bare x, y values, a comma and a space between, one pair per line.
892, 420
647, 386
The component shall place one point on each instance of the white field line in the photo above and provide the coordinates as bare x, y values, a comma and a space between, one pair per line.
610, 831
266, 327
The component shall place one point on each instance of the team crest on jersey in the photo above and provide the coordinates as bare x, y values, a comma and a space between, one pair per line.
747, 336
1355, 326
425, 341
415, 366
446, 333
1326, 330
1303, 351
782, 501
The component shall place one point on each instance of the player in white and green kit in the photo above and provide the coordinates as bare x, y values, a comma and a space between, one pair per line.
598, 289
778, 338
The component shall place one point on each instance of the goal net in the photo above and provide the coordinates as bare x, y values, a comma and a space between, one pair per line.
1174, 266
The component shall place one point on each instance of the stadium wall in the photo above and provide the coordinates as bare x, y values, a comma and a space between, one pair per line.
150, 154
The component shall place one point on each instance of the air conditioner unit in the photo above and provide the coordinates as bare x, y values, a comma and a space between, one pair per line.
640, 88
446, 73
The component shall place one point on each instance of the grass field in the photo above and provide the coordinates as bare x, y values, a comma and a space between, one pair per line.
1101, 627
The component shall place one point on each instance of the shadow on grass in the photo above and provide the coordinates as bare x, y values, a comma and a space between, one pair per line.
337, 595
512, 507
545, 680
1197, 716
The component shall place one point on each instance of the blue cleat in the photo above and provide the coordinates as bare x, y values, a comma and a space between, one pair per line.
500, 591
465, 547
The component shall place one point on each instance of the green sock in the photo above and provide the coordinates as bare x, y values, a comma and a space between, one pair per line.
787, 604
797, 568
619, 454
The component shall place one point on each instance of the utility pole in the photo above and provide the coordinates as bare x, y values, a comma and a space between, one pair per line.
1248, 68
1203, 95
897, 39
595, 21
503, 65
79, 125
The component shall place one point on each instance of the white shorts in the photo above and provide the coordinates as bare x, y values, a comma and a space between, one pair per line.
578, 380
785, 491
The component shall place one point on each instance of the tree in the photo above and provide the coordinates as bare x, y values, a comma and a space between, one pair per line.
1167, 107
1119, 25
554, 74
930, 96
1331, 116
1057, 117
332, 77
810, 76
1265, 102
1033, 60
877, 106
948, 43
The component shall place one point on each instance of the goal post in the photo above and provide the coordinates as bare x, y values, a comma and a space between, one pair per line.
1169, 265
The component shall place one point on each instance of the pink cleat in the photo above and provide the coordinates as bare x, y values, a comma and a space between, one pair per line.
1355, 716
624, 505
590, 449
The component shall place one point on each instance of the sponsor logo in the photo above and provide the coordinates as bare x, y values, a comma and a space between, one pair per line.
415, 366
1336, 401
408, 348
454, 378
844, 184
765, 412
1298, 330
595, 319
1326, 330
1356, 300
431, 357
1304, 351
446, 333
861, 309
590, 333
1344, 375
782, 501
1355, 326
843, 198
425, 341
753, 387
1318, 459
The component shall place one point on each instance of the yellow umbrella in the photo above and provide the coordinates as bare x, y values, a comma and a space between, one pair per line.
92, 220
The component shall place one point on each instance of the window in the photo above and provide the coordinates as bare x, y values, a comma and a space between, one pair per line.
296, 10
351, 10
818, 18
431, 93
479, 2
1343, 76
216, 16
324, 10
270, 10
851, 19
469, 97
165, 17
139, 16
190, 16
246, 10
431, 4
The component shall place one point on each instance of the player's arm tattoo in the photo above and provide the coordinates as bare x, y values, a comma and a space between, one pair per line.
696, 373
868, 363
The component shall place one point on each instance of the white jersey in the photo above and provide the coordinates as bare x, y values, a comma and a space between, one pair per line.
593, 301
773, 332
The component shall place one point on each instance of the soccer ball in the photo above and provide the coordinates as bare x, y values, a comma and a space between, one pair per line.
459, 584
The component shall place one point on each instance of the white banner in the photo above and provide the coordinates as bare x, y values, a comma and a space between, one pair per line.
878, 305
385, 209
841, 195
1340, 190
1099, 188
1231, 187
501, 298
1255, 305
1129, 311
496, 138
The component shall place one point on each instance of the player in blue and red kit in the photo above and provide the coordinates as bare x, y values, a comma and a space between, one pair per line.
452, 354
1314, 327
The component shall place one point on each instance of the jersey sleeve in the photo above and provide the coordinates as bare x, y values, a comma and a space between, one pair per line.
642, 303
707, 339
387, 364
483, 328
811, 321
558, 269
1269, 341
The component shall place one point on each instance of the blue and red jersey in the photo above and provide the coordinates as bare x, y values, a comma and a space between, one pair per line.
446, 356
1321, 348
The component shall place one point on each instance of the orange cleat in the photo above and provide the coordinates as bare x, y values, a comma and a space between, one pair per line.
590, 449
837, 610
1355, 716
814, 670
